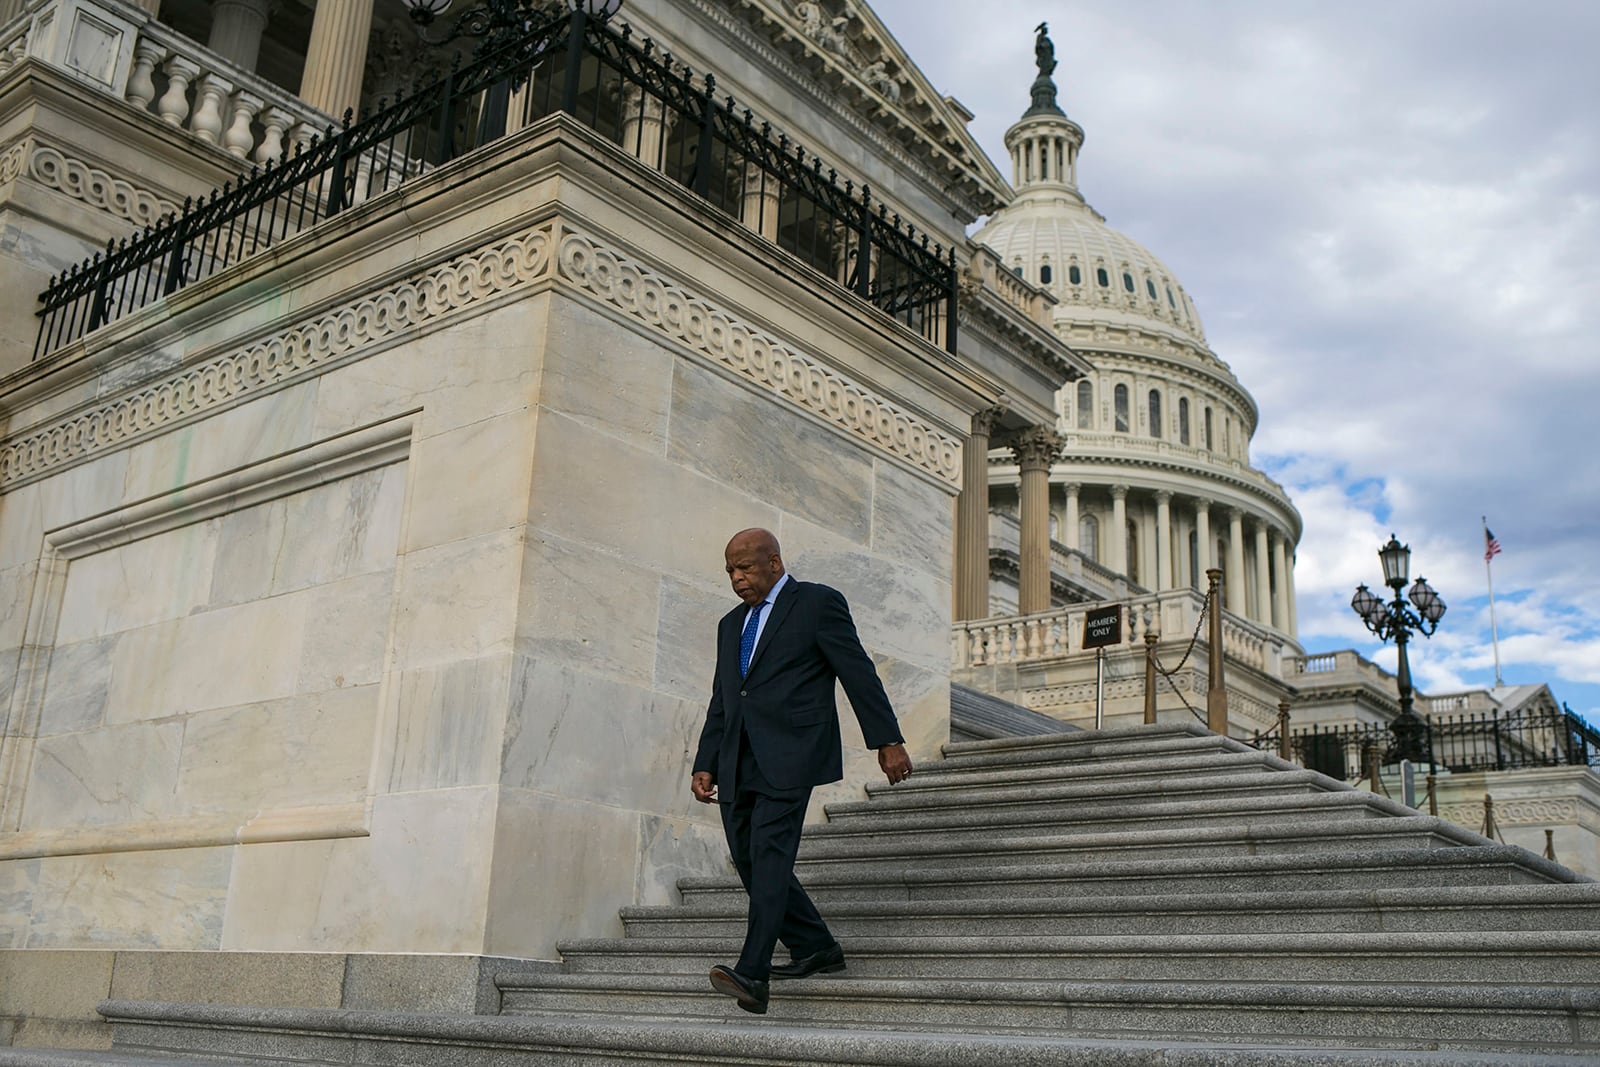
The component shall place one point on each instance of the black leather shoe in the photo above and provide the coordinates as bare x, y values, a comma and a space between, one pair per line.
750, 993
829, 961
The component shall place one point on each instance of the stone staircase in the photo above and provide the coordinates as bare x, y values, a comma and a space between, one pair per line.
1147, 896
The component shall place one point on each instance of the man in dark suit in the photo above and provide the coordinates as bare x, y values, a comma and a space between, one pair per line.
771, 734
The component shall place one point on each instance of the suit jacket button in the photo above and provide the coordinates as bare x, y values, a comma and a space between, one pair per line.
743, 693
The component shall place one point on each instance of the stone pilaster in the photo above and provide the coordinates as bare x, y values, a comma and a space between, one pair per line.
972, 520
336, 58
1036, 449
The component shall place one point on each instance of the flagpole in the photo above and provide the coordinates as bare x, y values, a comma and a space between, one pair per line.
1494, 632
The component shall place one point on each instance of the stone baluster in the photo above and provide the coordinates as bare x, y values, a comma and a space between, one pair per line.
147, 56
173, 106
239, 138
206, 123
274, 122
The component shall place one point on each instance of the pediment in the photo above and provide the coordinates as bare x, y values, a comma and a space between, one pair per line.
846, 46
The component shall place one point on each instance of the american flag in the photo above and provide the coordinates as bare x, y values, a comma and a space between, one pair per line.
1491, 545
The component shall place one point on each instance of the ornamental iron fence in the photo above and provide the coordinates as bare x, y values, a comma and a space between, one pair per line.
629, 91
1494, 741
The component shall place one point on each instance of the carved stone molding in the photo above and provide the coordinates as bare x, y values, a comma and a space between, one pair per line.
54, 169
12, 159
302, 348
755, 356
1508, 812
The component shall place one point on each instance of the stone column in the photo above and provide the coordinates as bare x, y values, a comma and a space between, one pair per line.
972, 520
1202, 537
1036, 449
1119, 529
1073, 538
760, 208
236, 29
1163, 540
646, 124
1235, 575
1294, 620
336, 58
1280, 567
1263, 604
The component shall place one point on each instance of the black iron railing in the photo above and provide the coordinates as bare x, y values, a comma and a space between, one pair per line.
628, 91
1494, 741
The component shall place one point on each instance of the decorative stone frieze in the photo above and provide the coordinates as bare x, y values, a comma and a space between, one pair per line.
452, 287
1513, 811
54, 169
755, 356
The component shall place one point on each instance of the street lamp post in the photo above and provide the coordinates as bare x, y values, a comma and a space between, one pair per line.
1397, 619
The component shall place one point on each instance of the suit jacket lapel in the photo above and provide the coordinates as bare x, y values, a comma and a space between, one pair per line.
778, 612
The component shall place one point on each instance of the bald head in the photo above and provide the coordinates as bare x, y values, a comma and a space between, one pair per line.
754, 564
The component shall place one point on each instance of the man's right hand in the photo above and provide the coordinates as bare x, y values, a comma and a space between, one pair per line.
703, 788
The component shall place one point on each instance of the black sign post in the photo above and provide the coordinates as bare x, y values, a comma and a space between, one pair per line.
1102, 626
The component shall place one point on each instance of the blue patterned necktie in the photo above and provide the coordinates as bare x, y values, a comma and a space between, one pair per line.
747, 642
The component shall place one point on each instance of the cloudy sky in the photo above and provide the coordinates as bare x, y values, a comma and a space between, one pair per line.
1388, 214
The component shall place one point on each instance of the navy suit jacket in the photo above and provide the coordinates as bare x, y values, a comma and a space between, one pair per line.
785, 704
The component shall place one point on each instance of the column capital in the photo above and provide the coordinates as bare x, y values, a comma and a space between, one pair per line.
1236, 514
1163, 496
1119, 492
1203, 503
984, 422
1036, 448
1073, 488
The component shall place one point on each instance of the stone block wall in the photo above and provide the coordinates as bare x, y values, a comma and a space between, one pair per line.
362, 599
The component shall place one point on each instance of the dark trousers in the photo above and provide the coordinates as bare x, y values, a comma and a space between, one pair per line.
763, 828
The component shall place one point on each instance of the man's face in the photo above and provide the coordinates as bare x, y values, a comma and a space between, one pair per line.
753, 569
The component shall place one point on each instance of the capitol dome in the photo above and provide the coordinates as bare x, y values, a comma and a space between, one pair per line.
1153, 485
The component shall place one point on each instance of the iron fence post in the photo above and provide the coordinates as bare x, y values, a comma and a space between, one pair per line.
708, 130
574, 74
864, 271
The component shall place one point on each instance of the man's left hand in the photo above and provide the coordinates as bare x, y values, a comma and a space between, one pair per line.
896, 763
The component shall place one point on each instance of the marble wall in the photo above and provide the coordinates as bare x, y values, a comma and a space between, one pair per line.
374, 610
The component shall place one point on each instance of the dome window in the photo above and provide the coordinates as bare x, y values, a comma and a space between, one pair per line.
1208, 430
1102, 277
1017, 270
1155, 413
1183, 420
1089, 537
1171, 303
1151, 286
1120, 402
1127, 281
1044, 274
1085, 402
1074, 275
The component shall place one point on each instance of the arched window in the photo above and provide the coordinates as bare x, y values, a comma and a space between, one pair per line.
1227, 436
1085, 402
1102, 277
1183, 420
1194, 561
1044, 274
1155, 413
1170, 302
1208, 429
1151, 287
1074, 275
1119, 397
1131, 545
1017, 270
1127, 281
1089, 537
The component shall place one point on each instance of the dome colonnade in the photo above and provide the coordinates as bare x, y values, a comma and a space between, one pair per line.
1154, 481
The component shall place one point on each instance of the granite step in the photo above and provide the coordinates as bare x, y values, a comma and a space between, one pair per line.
1071, 749
1108, 813
888, 801
1554, 906
1133, 772
980, 847
1420, 869
1556, 958
1437, 1015
1086, 738
166, 1035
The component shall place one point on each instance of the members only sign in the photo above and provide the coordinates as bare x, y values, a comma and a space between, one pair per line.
1103, 626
